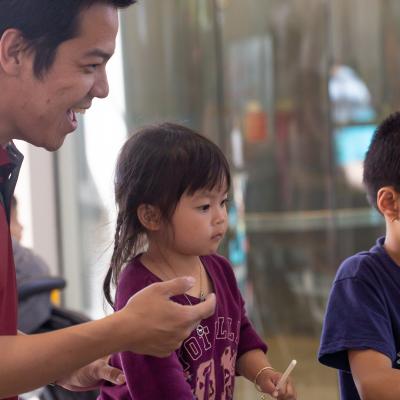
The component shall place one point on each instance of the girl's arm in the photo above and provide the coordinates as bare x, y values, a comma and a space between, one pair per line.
252, 362
374, 376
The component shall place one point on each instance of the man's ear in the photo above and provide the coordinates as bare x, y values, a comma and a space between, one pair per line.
12, 50
149, 216
387, 200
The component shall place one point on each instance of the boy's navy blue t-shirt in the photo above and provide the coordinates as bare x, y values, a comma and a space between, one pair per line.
363, 313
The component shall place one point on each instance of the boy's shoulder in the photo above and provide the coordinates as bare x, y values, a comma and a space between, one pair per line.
354, 265
364, 264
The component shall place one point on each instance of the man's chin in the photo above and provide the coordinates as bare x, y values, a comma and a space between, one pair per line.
54, 146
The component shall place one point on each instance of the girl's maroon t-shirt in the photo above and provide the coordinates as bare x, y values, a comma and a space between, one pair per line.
204, 366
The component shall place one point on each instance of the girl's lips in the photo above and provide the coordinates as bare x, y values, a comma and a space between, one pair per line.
218, 236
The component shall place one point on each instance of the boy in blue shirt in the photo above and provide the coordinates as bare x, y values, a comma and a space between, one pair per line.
361, 331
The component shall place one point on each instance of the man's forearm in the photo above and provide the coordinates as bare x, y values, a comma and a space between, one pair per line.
150, 323
31, 361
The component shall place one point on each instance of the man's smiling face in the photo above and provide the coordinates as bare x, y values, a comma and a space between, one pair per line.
47, 107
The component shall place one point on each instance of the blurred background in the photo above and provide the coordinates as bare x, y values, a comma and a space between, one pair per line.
291, 90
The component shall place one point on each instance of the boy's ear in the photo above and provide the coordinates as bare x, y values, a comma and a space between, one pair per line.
388, 202
149, 216
12, 51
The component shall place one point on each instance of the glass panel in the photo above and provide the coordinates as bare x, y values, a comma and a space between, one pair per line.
171, 64
277, 78
291, 90
361, 33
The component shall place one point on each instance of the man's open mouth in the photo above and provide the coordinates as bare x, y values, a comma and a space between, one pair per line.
73, 111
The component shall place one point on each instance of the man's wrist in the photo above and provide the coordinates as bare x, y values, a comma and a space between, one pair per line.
124, 338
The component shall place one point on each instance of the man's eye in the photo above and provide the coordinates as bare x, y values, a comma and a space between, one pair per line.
91, 67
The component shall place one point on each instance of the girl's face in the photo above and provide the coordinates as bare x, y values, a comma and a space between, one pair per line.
199, 222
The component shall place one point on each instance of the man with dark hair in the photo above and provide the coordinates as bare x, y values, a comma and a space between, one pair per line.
53, 55
361, 332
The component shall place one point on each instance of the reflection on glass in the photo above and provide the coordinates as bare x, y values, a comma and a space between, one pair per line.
292, 91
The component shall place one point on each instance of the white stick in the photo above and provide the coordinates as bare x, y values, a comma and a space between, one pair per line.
286, 374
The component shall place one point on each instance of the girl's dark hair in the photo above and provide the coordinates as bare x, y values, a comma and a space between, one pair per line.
45, 24
382, 161
156, 166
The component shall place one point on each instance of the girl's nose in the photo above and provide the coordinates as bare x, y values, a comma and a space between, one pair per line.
220, 216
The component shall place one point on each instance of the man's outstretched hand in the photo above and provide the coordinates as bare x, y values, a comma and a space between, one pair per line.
153, 324
150, 323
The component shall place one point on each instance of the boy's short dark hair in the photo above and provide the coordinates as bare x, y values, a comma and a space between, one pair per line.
46, 24
382, 161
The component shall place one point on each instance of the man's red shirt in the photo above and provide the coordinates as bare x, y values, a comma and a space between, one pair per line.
10, 161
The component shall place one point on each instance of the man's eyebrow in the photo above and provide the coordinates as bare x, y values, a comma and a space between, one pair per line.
98, 53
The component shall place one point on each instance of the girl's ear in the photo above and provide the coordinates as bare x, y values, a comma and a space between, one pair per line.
149, 216
388, 202
12, 51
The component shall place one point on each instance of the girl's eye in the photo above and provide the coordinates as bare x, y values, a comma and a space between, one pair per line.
224, 202
204, 207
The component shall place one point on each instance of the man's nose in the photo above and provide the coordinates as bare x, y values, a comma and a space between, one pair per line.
100, 88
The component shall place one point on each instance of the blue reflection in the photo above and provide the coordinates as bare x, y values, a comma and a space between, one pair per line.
350, 97
352, 142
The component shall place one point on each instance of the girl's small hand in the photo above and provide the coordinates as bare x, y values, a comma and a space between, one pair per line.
268, 382
91, 376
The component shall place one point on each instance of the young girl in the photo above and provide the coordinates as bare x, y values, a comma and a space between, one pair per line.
171, 189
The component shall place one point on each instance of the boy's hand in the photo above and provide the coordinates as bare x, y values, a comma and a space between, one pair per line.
91, 376
154, 324
268, 382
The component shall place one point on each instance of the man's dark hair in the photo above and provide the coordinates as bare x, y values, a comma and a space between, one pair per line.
382, 161
45, 24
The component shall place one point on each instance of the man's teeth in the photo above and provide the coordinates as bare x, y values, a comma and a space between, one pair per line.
79, 110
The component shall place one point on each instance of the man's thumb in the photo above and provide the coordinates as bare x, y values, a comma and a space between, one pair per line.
177, 286
206, 308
